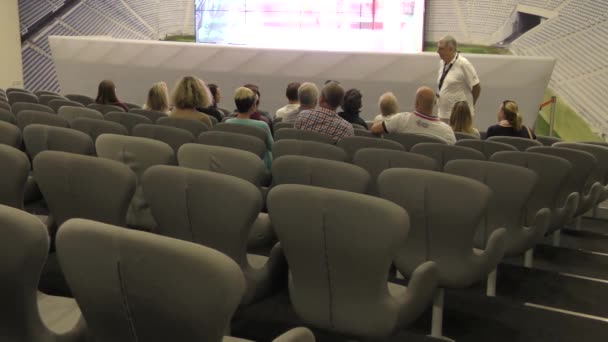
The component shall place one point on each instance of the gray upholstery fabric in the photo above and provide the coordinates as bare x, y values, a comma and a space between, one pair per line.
46, 98
5, 105
150, 114
46, 92
10, 134
320, 172
487, 147
7, 116
339, 266
443, 153
137, 286
465, 136
547, 141
233, 140
352, 144
85, 100
57, 104
94, 127
600, 173
285, 147
19, 90
280, 125
299, 334
552, 173
70, 113
13, 175
376, 160
442, 227
105, 109
225, 160
21, 106
522, 144
300, 134
38, 138
132, 105
85, 187
599, 143
364, 133
17, 96
216, 211
138, 154
242, 129
408, 140
195, 127
507, 205
174, 137
583, 168
129, 120
25, 245
28, 117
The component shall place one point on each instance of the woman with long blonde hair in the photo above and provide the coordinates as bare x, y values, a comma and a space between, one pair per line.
510, 122
461, 119
158, 98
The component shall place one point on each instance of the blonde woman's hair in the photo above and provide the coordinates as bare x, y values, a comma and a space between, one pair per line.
460, 118
512, 114
158, 97
190, 93
388, 104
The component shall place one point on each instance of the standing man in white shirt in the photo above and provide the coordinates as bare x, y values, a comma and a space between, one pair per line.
457, 79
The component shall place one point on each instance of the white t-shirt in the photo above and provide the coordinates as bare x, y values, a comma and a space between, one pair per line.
286, 110
381, 117
418, 123
457, 85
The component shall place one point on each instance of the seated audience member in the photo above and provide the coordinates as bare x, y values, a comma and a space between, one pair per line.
213, 110
421, 121
389, 106
106, 95
510, 122
158, 98
292, 98
461, 119
351, 107
246, 104
259, 115
191, 93
325, 119
308, 96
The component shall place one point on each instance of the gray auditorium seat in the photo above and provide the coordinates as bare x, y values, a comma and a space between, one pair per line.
443, 153
364, 133
83, 99
21, 106
243, 129
57, 104
13, 175
38, 138
487, 147
132, 106
234, 140
105, 109
442, 228
10, 134
521, 144
320, 172
7, 116
5, 106
129, 120
46, 92
195, 127
339, 269
599, 143
174, 137
465, 136
17, 96
29, 117
46, 98
409, 140
70, 113
285, 147
150, 114
139, 154
18, 90
27, 315
300, 134
280, 125
547, 141
200, 206
94, 127
352, 144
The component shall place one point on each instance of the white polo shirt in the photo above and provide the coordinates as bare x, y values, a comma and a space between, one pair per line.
457, 85
418, 123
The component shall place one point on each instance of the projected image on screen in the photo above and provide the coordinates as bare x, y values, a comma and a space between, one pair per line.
337, 25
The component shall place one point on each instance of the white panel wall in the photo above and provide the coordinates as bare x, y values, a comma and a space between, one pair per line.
134, 65
10, 45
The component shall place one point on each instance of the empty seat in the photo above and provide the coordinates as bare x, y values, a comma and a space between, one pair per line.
150, 114
18, 90
352, 144
94, 127
465, 136
364, 133
21, 106
57, 104
300, 134
13, 175
409, 140
195, 127
443, 153
70, 113
243, 129
83, 99
132, 105
234, 140
28, 117
45, 99
10, 134
174, 137
105, 109
487, 147
38, 138
286, 147
128, 120
5, 105
521, 144
17, 96
46, 93
7, 116
547, 141
280, 125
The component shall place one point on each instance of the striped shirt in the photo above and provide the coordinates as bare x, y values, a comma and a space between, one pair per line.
324, 121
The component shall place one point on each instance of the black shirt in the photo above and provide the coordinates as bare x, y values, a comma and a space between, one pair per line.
498, 130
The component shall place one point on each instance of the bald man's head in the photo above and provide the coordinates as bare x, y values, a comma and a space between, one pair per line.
425, 100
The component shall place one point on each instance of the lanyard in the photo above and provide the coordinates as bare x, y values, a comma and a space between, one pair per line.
445, 71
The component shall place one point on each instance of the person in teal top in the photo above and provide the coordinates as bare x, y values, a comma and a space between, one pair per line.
245, 100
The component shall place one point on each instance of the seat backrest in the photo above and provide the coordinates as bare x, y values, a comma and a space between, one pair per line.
57, 104
7, 116
300, 134
359, 132
10, 134
18, 90
487, 147
94, 127
233, 140
38, 138
28, 117
201, 206
132, 285
46, 92
352, 144
465, 136
376, 160
521, 144
13, 175
150, 114
105, 109
320, 172
85, 187
174, 137
132, 105
46, 98
547, 141
21, 106
280, 125
139, 154
599, 152
70, 113
195, 127
334, 259
409, 140
285, 147
242, 129
85, 100
599, 143
129, 120
443, 153
5, 106
17, 96
224, 160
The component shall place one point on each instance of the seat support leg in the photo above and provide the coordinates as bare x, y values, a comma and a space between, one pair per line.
491, 285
